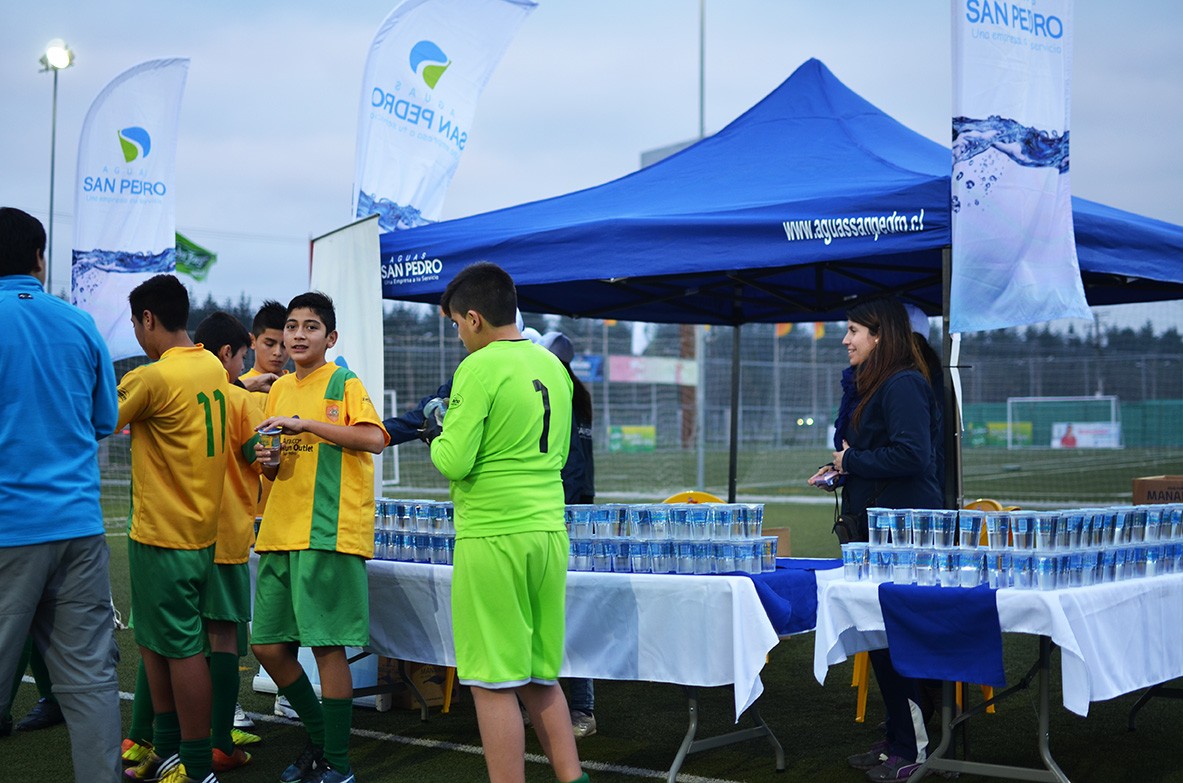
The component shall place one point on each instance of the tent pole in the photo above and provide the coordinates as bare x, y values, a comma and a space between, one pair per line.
954, 492
734, 461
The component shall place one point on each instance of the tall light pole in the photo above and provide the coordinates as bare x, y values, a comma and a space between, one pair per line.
57, 57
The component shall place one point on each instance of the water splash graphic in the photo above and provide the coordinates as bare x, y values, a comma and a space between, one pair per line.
391, 216
91, 265
982, 149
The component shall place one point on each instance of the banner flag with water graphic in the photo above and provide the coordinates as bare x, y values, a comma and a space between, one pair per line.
1014, 250
427, 66
125, 195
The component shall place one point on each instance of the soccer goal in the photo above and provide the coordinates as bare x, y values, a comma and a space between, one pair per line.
1063, 422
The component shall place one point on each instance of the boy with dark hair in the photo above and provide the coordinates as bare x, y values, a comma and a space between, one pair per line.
504, 442
59, 402
267, 343
177, 408
317, 531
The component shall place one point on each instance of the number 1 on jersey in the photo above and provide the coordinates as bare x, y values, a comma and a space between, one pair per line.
543, 444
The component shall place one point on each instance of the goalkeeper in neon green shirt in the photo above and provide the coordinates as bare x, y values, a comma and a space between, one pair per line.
503, 446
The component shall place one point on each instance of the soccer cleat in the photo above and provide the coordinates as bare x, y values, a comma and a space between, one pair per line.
330, 775
240, 737
894, 769
241, 719
284, 709
875, 755
224, 762
152, 768
45, 713
583, 724
177, 774
306, 766
133, 752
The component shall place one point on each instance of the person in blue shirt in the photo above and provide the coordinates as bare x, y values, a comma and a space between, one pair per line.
60, 402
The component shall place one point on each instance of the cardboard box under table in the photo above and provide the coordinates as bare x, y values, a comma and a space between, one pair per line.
1158, 489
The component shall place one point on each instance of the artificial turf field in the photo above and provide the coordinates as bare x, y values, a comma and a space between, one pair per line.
641, 724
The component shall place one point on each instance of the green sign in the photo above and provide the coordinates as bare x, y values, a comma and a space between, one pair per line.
193, 259
632, 437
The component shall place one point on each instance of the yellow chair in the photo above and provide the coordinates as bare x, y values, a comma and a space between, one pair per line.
693, 496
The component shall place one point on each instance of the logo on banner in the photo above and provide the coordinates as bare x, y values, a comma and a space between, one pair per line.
136, 143
433, 60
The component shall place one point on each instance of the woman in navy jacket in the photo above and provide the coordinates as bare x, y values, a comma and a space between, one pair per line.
889, 458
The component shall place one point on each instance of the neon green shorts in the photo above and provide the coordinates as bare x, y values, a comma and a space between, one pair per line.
313, 598
228, 594
166, 597
509, 597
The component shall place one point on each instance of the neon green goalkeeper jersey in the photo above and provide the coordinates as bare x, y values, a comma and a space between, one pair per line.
505, 440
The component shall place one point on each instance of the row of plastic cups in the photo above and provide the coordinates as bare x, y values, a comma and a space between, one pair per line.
664, 522
1042, 530
414, 516
1008, 567
624, 555
414, 547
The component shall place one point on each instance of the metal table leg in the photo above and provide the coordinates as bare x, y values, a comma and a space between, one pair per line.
938, 762
692, 745
1160, 690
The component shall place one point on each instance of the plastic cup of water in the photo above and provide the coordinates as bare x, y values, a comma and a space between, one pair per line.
724, 556
684, 557
997, 529
663, 557
583, 553
754, 524
272, 438
1022, 569
879, 558
721, 519
969, 528
1045, 571
640, 557
901, 531
998, 568
698, 520
854, 558
768, 546
1022, 530
971, 563
903, 565
1044, 524
1071, 530
639, 526
926, 574
944, 524
922, 527
659, 521
704, 557
878, 526
948, 567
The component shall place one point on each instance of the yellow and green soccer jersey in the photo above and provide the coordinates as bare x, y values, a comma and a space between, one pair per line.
260, 399
505, 440
177, 408
323, 494
240, 491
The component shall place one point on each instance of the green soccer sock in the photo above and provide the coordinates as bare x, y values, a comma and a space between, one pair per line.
223, 672
166, 734
581, 779
307, 706
338, 719
40, 673
142, 713
197, 756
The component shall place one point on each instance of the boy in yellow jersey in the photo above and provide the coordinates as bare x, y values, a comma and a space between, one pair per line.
177, 410
504, 443
316, 535
270, 354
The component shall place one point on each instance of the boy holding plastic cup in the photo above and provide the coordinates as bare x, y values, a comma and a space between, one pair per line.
317, 530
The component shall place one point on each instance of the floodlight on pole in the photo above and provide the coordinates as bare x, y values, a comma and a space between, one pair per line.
57, 57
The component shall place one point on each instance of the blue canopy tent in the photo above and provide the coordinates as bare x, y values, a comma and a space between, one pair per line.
809, 201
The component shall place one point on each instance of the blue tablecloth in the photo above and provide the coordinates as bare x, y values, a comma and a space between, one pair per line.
789, 594
944, 633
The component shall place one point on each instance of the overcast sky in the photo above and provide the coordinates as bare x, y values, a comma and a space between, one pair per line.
269, 117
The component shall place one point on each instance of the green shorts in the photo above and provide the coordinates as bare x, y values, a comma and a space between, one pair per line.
313, 598
228, 594
166, 597
509, 597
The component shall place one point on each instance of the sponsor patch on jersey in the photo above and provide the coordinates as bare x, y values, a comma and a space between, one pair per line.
333, 411
455, 401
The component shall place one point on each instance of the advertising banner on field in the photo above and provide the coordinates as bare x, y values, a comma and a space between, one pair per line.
1014, 251
343, 267
124, 197
427, 65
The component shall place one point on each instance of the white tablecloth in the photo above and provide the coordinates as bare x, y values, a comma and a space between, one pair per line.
1114, 638
688, 630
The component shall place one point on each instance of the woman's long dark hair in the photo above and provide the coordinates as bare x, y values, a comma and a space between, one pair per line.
894, 351
581, 400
